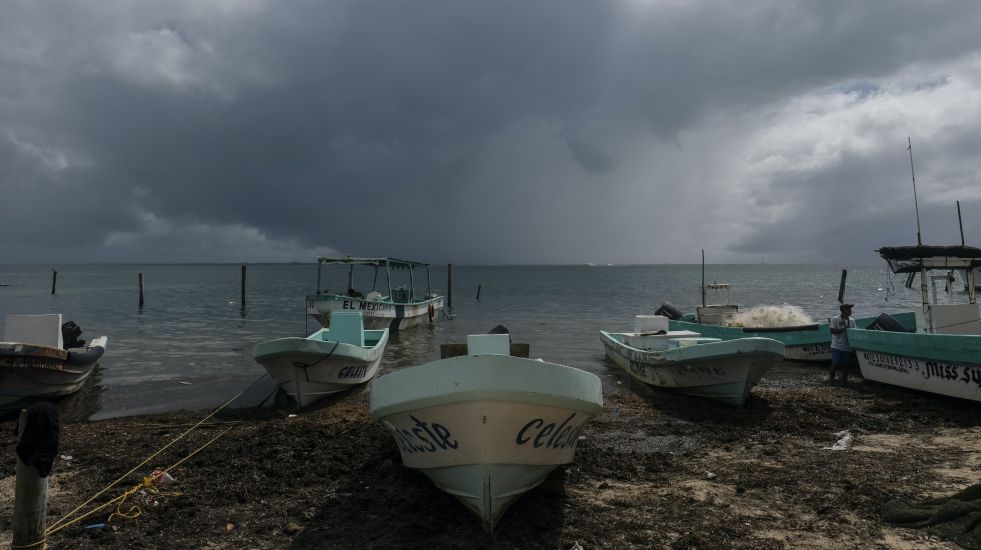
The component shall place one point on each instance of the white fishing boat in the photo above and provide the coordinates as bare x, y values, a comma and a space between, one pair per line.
688, 363
486, 427
328, 361
397, 308
40, 358
943, 354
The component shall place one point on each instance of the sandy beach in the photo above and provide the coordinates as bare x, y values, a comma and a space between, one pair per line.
655, 470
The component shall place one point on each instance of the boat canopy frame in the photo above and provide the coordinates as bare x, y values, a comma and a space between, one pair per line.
922, 258
389, 264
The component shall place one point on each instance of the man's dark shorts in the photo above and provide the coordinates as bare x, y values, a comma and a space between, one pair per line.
845, 358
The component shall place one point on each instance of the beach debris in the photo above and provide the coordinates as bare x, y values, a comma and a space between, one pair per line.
844, 442
604, 485
291, 416
67, 457
229, 526
575, 545
185, 383
95, 526
710, 475
293, 528
159, 478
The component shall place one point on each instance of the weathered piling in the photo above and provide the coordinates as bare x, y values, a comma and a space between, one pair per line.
478, 293
141, 290
54, 280
841, 286
243, 285
449, 287
37, 445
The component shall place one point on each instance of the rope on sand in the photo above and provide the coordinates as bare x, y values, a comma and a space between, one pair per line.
147, 482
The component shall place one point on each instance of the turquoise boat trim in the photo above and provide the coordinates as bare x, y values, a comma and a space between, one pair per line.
819, 334
704, 350
949, 348
319, 343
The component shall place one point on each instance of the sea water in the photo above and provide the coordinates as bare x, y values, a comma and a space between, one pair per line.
190, 345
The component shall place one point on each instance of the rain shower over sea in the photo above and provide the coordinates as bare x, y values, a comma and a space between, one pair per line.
190, 345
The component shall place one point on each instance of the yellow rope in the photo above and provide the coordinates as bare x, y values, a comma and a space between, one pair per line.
43, 543
64, 523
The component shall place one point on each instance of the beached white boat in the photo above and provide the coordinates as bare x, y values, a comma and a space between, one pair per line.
401, 308
41, 358
943, 355
328, 361
486, 427
688, 363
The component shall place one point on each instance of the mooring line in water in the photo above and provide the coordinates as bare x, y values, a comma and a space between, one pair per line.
64, 522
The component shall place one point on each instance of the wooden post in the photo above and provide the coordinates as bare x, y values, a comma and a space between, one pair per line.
841, 286
141, 290
54, 280
243, 285
478, 293
959, 222
449, 287
703, 277
30, 500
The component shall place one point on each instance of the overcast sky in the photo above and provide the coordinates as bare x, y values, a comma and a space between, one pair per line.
524, 131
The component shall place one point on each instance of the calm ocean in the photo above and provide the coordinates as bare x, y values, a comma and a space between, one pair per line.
190, 346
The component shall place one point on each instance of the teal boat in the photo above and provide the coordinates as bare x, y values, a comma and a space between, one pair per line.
802, 343
486, 427
689, 363
943, 355
810, 343
385, 305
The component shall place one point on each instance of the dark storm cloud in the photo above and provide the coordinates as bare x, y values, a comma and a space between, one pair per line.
448, 131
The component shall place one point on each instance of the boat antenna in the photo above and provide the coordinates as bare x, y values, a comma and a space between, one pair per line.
703, 277
919, 240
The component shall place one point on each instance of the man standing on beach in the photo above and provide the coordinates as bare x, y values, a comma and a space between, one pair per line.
841, 352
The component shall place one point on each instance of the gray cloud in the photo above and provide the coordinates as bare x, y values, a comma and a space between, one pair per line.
479, 132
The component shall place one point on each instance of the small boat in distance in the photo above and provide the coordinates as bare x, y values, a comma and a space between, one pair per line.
943, 355
690, 364
486, 427
328, 361
400, 308
41, 358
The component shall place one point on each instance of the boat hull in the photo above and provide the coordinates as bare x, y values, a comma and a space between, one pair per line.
30, 372
808, 344
486, 428
378, 314
945, 364
725, 371
309, 370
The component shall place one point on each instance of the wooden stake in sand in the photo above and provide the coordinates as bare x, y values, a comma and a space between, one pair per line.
35, 440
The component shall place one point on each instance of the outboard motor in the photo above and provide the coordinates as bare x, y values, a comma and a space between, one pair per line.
886, 323
499, 329
70, 333
669, 311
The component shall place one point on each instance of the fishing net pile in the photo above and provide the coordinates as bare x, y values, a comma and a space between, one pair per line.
956, 518
764, 316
